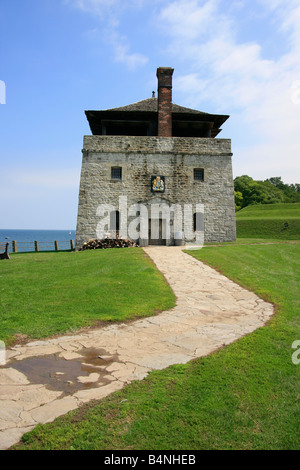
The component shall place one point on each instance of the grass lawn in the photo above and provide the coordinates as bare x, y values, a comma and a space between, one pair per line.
45, 294
281, 221
244, 396
273, 211
252, 241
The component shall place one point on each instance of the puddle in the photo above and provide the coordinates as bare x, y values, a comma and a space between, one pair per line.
59, 374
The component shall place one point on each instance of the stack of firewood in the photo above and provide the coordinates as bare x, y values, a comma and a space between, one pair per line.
107, 243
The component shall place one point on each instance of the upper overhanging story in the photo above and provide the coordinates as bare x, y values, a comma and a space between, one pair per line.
156, 116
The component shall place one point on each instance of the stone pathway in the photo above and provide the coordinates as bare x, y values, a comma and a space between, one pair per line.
45, 379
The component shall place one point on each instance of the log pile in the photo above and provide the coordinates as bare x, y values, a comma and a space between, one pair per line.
107, 243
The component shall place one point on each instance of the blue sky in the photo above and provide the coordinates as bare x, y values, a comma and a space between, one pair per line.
61, 57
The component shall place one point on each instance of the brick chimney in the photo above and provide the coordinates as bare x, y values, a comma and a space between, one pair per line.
164, 76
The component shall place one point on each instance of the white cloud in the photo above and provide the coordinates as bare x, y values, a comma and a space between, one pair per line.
109, 12
187, 19
122, 52
132, 61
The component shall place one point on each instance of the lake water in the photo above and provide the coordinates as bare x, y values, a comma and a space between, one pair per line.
25, 239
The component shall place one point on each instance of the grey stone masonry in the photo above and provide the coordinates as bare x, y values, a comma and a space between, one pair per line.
140, 158
156, 145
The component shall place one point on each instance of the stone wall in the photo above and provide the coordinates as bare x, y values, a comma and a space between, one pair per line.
175, 158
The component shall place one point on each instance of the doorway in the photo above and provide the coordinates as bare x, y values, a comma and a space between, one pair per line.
156, 232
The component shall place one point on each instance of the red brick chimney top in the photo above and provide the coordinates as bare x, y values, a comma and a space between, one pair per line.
164, 75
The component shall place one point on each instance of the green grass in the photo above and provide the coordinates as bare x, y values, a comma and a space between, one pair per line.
244, 396
268, 228
45, 294
280, 221
277, 211
252, 241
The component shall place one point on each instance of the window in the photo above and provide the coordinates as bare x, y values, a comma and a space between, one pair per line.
116, 173
198, 174
198, 222
115, 221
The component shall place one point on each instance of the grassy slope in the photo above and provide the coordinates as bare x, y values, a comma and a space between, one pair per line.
278, 211
245, 396
269, 221
44, 294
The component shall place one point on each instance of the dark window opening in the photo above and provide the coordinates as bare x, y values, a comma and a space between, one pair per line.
115, 221
199, 174
116, 173
198, 222
191, 129
126, 128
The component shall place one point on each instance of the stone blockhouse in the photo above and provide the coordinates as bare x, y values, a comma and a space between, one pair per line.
157, 173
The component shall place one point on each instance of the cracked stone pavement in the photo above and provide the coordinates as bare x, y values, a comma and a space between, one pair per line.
211, 311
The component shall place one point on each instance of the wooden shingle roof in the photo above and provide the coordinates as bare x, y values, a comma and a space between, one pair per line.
147, 110
151, 104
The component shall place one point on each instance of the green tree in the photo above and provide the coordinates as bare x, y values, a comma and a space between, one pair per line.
291, 191
257, 192
277, 181
238, 196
